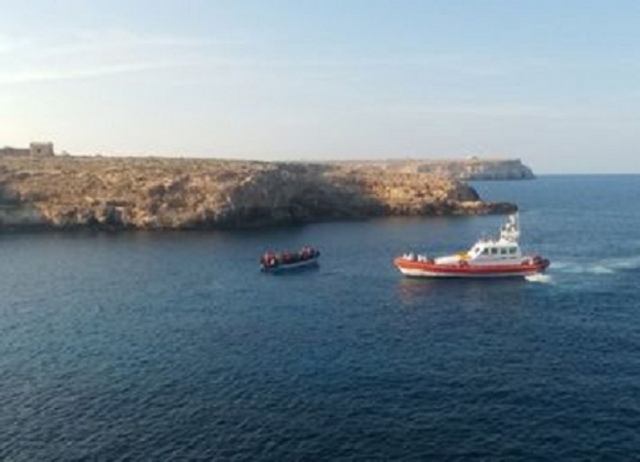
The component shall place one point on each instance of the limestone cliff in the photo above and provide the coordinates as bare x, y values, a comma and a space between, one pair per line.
160, 193
467, 169
479, 169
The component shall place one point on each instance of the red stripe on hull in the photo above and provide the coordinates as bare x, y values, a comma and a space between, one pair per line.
427, 269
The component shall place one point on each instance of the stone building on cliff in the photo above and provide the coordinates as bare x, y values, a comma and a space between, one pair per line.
35, 149
41, 149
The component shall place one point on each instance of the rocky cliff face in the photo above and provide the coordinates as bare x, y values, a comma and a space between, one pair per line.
478, 169
467, 169
158, 193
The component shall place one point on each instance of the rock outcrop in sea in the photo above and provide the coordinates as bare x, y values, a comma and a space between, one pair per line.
162, 193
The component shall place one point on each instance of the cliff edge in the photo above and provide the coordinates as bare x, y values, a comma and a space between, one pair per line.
161, 193
473, 168
467, 169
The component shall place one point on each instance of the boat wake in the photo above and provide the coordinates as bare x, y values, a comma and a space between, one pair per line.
623, 264
599, 267
540, 278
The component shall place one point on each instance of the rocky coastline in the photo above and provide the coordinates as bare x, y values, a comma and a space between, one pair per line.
114, 193
467, 169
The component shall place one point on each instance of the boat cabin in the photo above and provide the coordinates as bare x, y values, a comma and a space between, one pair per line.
504, 248
494, 250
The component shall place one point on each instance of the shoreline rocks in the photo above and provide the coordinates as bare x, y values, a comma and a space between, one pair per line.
161, 193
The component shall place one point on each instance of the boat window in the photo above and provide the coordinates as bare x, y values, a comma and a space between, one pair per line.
494, 251
503, 251
512, 250
485, 251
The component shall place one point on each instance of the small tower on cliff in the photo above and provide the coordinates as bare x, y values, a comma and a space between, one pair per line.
41, 149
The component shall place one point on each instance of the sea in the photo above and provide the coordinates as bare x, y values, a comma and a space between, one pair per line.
174, 346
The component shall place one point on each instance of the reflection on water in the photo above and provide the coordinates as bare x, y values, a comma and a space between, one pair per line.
461, 291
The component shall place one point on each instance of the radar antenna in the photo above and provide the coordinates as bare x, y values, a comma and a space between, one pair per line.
510, 231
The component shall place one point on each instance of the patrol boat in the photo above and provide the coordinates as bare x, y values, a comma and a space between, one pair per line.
488, 258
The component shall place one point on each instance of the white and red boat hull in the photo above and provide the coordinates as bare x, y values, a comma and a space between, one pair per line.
431, 269
487, 258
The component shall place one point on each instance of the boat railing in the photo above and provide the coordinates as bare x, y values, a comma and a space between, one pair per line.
419, 257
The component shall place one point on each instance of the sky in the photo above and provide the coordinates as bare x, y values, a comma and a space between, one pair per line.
553, 83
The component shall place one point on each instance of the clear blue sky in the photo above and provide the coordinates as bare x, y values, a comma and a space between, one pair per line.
555, 83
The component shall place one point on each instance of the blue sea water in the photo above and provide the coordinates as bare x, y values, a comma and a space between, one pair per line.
174, 346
